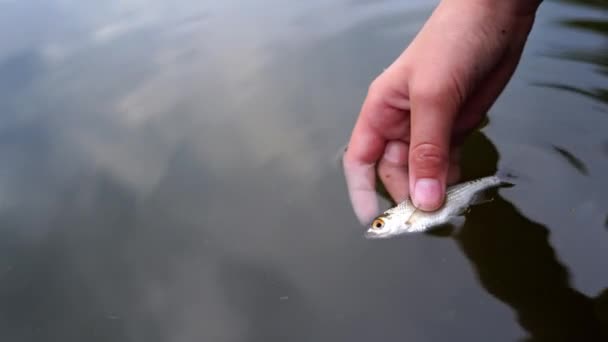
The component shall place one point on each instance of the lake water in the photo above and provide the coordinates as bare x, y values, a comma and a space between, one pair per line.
168, 172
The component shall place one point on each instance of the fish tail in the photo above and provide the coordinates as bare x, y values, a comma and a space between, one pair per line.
507, 176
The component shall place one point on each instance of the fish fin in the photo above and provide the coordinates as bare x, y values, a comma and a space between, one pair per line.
457, 221
409, 219
449, 228
480, 198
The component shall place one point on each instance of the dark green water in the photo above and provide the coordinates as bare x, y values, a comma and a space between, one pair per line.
168, 173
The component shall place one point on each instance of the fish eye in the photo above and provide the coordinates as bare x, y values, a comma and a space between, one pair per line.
378, 224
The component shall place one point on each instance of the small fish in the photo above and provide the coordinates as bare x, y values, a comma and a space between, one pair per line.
406, 218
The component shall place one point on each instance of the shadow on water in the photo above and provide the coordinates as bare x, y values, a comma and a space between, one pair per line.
597, 57
515, 263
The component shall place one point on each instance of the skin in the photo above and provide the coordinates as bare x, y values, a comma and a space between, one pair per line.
418, 111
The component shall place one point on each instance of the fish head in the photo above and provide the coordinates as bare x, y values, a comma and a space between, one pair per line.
387, 225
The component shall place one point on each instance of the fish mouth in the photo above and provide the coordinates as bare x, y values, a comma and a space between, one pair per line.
370, 234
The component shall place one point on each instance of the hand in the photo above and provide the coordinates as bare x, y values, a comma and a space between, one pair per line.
420, 108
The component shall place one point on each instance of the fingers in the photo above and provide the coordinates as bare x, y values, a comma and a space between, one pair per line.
360, 181
454, 167
433, 113
392, 169
381, 119
359, 162
365, 148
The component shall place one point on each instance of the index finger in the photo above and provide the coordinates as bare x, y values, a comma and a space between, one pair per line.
364, 149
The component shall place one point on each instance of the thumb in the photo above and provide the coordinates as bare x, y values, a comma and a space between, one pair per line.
433, 109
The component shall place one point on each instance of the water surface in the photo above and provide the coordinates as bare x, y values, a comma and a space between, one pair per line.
168, 173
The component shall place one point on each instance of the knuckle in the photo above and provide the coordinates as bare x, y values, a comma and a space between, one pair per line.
375, 86
428, 91
428, 159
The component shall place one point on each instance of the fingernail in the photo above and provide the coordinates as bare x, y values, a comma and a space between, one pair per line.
392, 153
427, 194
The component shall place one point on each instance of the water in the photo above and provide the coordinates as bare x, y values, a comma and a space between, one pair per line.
167, 173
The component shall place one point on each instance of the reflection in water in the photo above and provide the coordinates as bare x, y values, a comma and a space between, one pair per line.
572, 159
515, 263
274, 308
599, 94
162, 179
19, 71
597, 57
46, 293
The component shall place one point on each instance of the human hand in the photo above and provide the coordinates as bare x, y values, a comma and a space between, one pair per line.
438, 90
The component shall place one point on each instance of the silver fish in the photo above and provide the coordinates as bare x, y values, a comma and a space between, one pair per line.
406, 218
